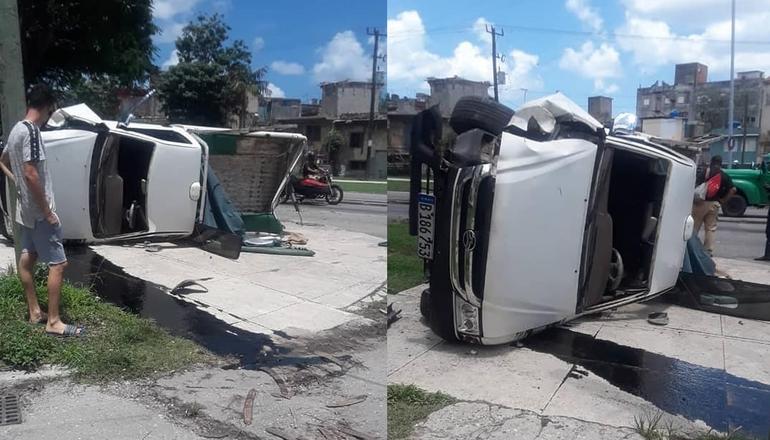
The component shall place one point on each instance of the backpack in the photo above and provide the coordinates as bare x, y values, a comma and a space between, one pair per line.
713, 185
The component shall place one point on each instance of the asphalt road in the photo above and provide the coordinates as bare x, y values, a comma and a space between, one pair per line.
363, 213
742, 238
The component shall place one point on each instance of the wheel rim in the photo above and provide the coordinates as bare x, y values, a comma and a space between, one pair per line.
616, 270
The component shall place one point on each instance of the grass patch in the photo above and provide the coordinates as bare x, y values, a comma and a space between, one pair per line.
363, 187
398, 185
408, 405
405, 268
118, 345
652, 427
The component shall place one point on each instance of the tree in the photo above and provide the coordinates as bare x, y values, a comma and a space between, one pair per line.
64, 41
99, 92
332, 144
211, 80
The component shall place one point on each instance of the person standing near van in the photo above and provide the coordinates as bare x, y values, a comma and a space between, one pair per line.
36, 211
719, 187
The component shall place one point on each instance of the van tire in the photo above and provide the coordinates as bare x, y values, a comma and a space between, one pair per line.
480, 112
735, 206
425, 304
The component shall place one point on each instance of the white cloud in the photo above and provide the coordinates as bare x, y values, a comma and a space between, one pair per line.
258, 44
274, 91
410, 62
169, 32
168, 9
585, 13
287, 68
172, 60
596, 63
342, 58
661, 33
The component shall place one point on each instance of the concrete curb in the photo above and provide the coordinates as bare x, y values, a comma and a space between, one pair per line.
14, 378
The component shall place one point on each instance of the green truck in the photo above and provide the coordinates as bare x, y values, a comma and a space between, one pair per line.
752, 184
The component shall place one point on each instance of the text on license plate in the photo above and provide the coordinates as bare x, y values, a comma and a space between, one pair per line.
426, 215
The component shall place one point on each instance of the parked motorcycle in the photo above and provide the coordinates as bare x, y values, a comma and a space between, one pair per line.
306, 188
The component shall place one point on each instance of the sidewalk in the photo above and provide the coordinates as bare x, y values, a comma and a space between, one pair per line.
323, 366
581, 376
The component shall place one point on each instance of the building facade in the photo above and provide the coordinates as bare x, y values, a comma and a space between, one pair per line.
704, 107
344, 108
600, 107
445, 92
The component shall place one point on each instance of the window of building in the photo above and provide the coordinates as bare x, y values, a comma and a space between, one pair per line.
667, 100
313, 133
356, 140
646, 101
680, 99
357, 165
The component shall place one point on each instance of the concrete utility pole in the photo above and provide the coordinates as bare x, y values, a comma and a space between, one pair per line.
12, 100
745, 123
731, 111
375, 55
491, 30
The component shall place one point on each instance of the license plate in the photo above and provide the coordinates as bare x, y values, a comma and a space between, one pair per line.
426, 217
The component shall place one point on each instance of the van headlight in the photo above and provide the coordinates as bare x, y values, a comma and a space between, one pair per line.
467, 317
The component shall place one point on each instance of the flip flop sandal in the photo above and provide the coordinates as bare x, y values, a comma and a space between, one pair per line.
70, 331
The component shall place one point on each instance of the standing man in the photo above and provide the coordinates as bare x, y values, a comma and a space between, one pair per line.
36, 211
706, 212
766, 257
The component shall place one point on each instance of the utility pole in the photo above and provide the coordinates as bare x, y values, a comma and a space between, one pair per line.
745, 122
525, 93
491, 30
375, 55
731, 111
12, 100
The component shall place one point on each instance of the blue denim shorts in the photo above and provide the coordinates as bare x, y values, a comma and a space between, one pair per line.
45, 240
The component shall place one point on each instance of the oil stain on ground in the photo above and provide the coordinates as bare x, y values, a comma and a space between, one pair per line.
695, 392
177, 316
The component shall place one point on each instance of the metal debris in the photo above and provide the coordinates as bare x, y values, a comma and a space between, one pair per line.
186, 284
248, 407
284, 434
347, 402
280, 381
393, 315
10, 411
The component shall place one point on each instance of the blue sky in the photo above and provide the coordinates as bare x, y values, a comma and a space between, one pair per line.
580, 47
302, 42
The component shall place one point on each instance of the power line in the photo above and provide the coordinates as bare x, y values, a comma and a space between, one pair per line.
537, 29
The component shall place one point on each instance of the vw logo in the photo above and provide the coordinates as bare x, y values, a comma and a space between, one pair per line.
469, 240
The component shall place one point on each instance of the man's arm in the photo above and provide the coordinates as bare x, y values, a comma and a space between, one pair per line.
5, 165
35, 187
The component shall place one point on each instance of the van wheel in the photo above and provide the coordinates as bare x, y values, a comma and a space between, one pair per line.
735, 206
480, 112
425, 304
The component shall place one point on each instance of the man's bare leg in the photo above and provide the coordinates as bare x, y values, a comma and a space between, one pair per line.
26, 268
55, 275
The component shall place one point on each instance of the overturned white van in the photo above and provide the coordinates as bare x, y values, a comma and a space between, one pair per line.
534, 217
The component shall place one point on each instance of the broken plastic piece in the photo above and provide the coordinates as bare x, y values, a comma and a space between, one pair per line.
658, 318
